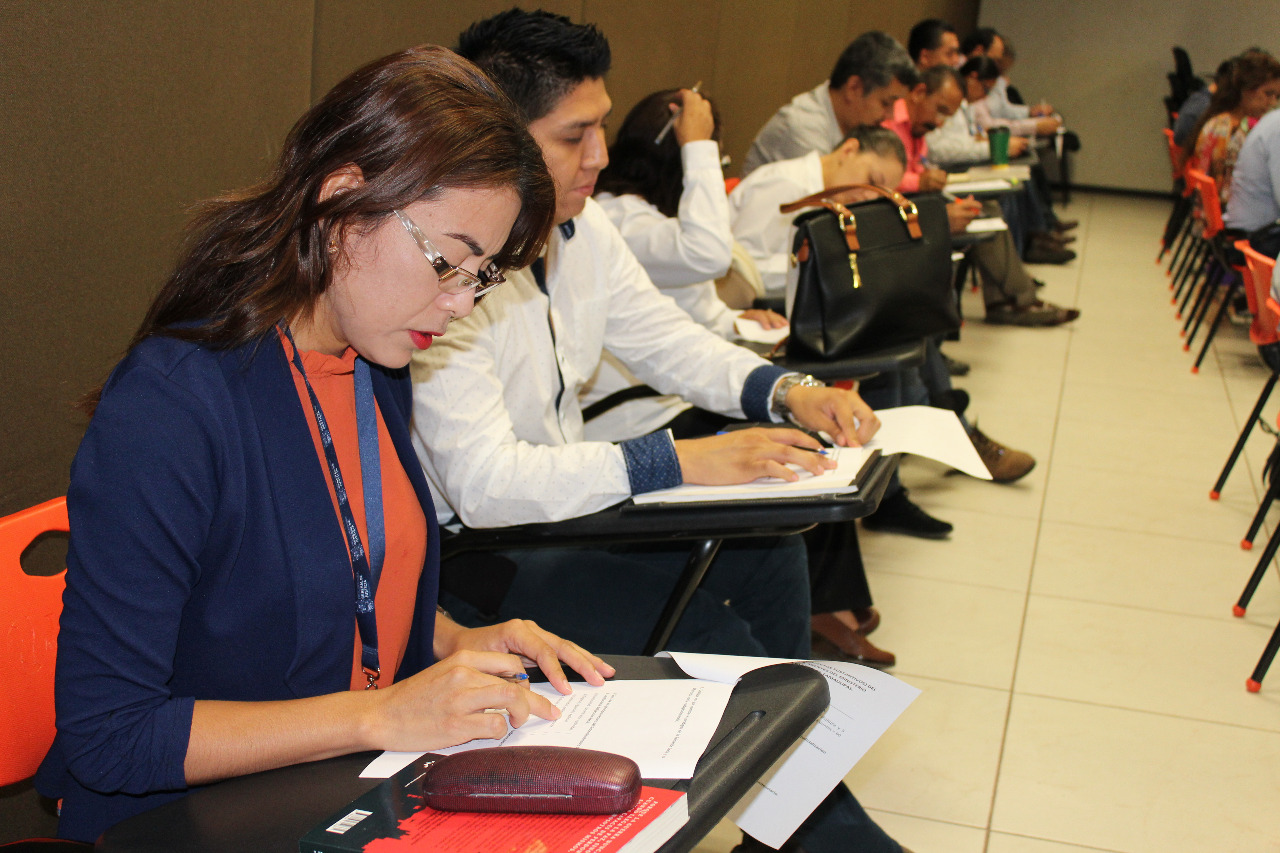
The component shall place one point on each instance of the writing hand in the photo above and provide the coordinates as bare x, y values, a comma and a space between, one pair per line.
841, 414
743, 455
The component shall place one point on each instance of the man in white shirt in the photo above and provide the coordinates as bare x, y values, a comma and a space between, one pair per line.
499, 431
870, 75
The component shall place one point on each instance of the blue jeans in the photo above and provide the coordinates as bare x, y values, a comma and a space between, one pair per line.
753, 601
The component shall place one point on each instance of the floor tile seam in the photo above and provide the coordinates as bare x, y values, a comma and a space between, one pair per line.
872, 573
985, 586
904, 672
900, 813
1122, 529
1226, 617
994, 831
1111, 706
1129, 607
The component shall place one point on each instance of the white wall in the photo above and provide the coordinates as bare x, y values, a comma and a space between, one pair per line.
1103, 66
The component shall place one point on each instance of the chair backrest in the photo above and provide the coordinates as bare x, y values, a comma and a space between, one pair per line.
1210, 204
1259, 269
29, 610
730, 183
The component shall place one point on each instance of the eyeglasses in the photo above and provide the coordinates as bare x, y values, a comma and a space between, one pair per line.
452, 279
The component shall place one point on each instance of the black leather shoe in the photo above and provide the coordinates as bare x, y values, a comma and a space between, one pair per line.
897, 514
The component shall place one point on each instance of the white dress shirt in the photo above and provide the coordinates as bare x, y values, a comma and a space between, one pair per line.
757, 223
497, 419
956, 140
807, 123
681, 254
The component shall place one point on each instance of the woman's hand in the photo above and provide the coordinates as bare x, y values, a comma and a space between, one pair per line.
461, 698
694, 120
841, 414
766, 318
743, 455
529, 641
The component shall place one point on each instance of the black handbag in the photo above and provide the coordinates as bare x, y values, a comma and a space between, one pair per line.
871, 276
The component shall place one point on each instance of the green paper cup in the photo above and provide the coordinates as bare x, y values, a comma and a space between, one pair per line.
998, 138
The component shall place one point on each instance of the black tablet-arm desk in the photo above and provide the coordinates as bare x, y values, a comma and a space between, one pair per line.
704, 525
268, 812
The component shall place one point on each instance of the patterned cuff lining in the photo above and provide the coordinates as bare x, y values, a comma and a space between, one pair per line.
757, 390
651, 462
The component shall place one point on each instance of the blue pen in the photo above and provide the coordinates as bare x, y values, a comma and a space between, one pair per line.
516, 678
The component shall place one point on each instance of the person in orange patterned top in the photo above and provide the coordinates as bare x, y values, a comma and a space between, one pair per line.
1248, 92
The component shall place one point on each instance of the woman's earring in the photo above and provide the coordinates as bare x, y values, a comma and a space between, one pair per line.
333, 245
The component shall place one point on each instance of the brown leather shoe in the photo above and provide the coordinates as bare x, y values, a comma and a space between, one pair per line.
868, 619
1004, 463
834, 640
1035, 314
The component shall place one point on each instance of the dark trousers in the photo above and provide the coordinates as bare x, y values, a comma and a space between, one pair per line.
837, 578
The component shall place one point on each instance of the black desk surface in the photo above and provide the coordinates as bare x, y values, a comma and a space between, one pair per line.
268, 812
721, 519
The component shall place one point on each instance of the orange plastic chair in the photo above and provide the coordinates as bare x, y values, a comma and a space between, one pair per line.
730, 183
29, 610
1177, 235
1219, 271
1263, 332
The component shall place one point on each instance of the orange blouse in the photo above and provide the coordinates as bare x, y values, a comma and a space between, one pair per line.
332, 377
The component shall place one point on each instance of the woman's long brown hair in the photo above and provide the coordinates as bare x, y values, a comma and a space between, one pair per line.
415, 123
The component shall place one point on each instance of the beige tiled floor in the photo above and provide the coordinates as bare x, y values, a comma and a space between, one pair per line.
1083, 676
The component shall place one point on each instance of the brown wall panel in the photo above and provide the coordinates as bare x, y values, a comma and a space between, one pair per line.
661, 44
350, 33
120, 115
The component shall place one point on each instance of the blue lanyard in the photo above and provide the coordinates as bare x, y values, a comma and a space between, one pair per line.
365, 569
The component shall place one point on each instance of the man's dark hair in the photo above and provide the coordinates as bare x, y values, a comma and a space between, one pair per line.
937, 76
985, 68
983, 37
927, 35
875, 58
535, 57
879, 140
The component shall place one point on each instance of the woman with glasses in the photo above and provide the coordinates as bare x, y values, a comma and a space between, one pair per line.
253, 565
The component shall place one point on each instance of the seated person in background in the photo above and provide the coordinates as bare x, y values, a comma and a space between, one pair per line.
503, 443
958, 140
210, 625
870, 74
995, 110
649, 175
1040, 235
668, 200
759, 225
934, 42
1193, 108
1251, 90
1255, 180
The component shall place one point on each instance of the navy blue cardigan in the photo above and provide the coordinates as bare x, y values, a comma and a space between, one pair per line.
205, 562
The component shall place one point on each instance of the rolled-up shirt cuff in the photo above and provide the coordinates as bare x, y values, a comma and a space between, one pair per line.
757, 391
652, 463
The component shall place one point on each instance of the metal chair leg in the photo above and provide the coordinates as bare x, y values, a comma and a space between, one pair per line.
1259, 572
1268, 497
1267, 388
1204, 298
1254, 684
1187, 280
700, 558
1227, 295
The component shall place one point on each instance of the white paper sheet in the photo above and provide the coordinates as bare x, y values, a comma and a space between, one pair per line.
663, 725
927, 431
750, 330
864, 703
987, 225
838, 480
961, 188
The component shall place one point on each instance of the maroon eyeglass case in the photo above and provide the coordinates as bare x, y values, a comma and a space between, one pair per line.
533, 779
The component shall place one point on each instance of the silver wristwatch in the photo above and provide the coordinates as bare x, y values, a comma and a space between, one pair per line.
778, 403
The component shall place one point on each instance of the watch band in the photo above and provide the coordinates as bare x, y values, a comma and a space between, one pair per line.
778, 402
